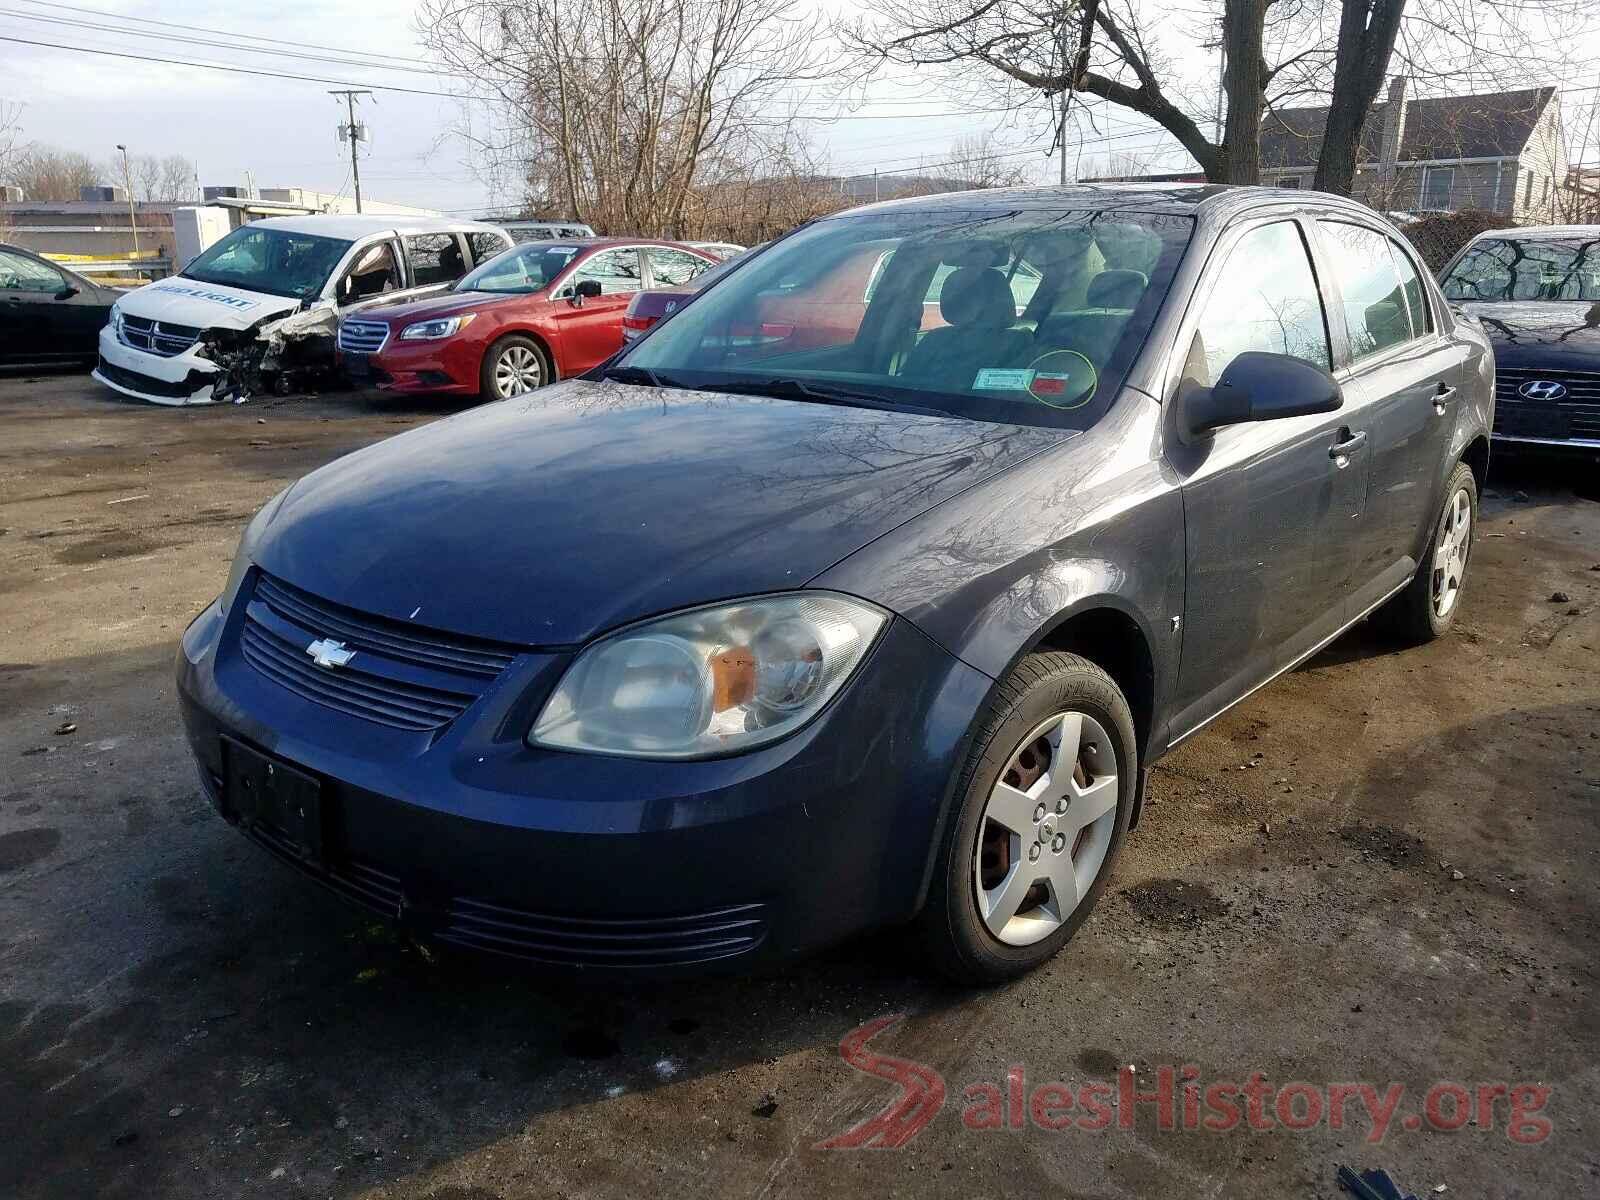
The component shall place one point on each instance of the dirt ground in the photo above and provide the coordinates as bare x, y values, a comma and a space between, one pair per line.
1381, 869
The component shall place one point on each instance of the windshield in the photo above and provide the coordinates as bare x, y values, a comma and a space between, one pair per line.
1536, 269
525, 268
274, 261
1023, 316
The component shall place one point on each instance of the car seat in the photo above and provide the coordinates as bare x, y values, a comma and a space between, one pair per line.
981, 314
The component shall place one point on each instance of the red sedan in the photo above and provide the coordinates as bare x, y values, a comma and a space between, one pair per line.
541, 311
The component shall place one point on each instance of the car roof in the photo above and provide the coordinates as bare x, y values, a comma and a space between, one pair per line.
1185, 199
1528, 233
601, 242
354, 226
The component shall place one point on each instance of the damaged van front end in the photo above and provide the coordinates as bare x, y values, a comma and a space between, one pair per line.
176, 342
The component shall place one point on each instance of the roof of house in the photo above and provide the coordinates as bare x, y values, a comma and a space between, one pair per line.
1491, 125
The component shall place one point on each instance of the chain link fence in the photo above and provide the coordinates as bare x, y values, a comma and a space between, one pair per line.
1437, 237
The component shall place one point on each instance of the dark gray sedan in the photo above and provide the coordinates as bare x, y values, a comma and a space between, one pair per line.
862, 591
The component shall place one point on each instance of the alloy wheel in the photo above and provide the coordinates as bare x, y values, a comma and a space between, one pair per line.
518, 370
1046, 828
1451, 546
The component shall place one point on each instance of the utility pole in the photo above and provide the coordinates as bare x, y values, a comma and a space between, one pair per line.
350, 132
127, 186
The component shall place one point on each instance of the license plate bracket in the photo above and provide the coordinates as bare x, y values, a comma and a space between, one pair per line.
267, 794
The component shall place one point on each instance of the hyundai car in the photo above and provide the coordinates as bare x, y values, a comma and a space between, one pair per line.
1537, 292
735, 647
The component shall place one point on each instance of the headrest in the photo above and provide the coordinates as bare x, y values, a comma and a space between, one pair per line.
1116, 289
977, 298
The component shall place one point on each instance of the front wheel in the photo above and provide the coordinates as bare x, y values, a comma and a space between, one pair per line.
1043, 805
1433, 597
513, 366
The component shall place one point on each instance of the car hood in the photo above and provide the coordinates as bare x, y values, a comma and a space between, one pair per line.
546, 519
448, 304
185, 301
1542, 332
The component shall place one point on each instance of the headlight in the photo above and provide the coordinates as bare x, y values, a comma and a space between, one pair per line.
709, 681
443, 327
116, 318
247, 544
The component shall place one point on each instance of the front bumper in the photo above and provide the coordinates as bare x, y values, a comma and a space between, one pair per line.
467, 836
448, 366
182, 379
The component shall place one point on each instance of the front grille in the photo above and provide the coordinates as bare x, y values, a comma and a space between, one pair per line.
638, 942
363, 337
401, 676
158, 337
478, 925
1575, 415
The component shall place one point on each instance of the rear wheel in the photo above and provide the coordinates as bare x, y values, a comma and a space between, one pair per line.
513, 366
1433, 597
1044, 802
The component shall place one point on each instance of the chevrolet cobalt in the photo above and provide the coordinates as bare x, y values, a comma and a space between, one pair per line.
767, 632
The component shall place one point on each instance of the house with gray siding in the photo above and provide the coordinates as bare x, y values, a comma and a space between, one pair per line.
1499, 151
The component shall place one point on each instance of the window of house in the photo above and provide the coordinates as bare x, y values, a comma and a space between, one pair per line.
1527, 190
1291, 181
617, 271
435, 258
1436, 187
1266, 299
1376, 315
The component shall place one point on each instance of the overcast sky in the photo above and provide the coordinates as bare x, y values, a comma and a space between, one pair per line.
282, 131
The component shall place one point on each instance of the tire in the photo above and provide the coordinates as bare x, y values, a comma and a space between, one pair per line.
1428, 606
513, 366
983, 864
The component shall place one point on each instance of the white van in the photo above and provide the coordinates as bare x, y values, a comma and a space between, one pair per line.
260, 309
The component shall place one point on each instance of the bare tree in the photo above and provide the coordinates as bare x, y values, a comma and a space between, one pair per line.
978, 161
45, 173
609, 109
165, 180
1276, 52
10, 136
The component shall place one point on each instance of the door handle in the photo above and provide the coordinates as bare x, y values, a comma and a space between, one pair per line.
1441, 397
1341, 451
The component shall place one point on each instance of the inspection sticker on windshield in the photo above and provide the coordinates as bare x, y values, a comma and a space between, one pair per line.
1002, 379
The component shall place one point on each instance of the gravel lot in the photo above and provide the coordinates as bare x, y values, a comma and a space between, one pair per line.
1383, 869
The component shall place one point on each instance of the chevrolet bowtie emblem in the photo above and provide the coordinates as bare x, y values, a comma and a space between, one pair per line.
330, 654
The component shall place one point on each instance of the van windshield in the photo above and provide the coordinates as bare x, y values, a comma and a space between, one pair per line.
522, 269
1025, 316
275, 261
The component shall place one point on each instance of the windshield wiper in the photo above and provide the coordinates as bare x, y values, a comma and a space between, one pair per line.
818, 393
640, 375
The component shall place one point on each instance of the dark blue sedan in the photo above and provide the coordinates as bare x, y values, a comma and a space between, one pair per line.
862, 591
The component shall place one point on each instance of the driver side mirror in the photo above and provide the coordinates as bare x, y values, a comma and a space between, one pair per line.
584, 289
67, 292
1257, 386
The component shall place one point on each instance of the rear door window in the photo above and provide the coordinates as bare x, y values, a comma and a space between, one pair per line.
1376, 316
435, 258
672, 267
1411, 285
1266, 299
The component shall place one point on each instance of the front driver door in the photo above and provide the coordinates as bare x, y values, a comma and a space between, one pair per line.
1265, 502
34, 325
591, 327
